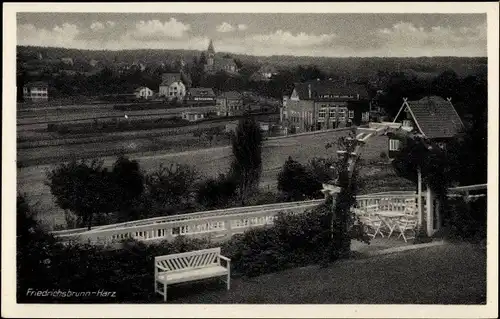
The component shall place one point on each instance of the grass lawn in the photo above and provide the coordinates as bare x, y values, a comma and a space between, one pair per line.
447, 274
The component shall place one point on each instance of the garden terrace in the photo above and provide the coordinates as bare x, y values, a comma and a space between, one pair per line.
215, 225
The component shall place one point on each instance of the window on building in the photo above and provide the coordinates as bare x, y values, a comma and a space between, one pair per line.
342, 114
351, 114
393, 145
322, 113
332, 113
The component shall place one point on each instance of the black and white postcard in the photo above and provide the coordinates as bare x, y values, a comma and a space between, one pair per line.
272, 159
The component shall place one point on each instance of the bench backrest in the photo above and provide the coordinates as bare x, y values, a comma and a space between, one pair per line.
189, 260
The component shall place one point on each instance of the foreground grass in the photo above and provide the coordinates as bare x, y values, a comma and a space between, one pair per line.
448, 274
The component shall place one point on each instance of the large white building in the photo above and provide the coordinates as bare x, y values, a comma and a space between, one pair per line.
36, 91
172, 86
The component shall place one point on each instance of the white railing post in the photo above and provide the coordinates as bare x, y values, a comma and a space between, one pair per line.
420, 208
429, 211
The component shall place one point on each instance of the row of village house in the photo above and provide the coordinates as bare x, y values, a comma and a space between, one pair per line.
227, 103
311, 106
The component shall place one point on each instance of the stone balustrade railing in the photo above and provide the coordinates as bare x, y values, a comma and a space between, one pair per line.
218, 224
171, 218
217, 227
396, 201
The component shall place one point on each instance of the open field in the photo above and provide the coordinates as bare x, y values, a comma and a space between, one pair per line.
208, 161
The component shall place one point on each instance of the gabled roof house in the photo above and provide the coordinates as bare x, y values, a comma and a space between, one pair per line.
431, 117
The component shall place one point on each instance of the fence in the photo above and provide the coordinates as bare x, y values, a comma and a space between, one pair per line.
214, 225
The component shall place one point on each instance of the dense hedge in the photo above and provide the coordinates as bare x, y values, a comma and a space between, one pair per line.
43, 264
466, 220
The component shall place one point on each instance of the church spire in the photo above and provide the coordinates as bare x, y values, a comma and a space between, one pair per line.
211, 47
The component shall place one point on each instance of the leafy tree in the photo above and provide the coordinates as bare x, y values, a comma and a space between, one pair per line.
84, 188
342, 218
129, 182
238, 63
297, 182
447, 85
419, 154
311, 72
468, 152
247, 156
400, 86
323, 169
216, 193
171, 186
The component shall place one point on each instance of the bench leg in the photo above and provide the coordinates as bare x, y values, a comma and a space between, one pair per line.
228, 281
165, 292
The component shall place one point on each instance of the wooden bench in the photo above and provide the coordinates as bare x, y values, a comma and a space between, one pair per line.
189, 266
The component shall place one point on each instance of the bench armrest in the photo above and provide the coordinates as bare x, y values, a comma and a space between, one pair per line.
228, 261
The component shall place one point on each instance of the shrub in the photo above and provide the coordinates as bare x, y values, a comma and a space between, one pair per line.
466, 221
293, 240
298, 182
383, 155
262, 198
216, 193
171, 185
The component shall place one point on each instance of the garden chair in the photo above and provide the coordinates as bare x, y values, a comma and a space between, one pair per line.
411, 208
385, 204
372, 221
407, 224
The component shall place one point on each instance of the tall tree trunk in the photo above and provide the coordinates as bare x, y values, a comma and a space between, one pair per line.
89, 220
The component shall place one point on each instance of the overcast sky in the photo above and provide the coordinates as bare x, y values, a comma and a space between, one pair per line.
333, 35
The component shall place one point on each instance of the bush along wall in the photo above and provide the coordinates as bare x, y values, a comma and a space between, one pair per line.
293, 241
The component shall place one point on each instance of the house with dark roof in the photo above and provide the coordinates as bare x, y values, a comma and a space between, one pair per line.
431, 117
318, 105
230, 104
36, 91
200, 96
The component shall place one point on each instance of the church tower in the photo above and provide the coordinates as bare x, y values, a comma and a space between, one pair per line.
210, 54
